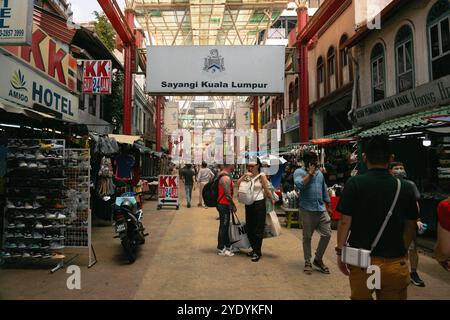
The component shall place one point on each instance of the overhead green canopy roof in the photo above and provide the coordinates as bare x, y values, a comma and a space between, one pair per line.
345, 134
403, 124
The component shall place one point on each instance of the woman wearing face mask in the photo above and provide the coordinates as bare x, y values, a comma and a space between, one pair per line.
255, 214
398, 170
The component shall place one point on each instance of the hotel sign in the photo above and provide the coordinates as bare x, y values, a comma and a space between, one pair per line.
249, 70
426, 96
16, 22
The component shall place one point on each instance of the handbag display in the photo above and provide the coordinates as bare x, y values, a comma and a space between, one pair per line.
273, 226
361, 257
245, 193
238, 233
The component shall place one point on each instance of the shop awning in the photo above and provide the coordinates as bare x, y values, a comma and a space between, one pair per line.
344, 134
419, 120
124, 139
12, 107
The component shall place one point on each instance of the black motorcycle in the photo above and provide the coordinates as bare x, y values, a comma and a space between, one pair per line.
128, 225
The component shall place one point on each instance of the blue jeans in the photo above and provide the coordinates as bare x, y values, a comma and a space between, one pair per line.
223, 239
188, 189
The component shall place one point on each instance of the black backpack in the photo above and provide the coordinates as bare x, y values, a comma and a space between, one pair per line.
211, 192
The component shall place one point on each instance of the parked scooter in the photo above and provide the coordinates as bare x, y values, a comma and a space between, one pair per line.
128, 224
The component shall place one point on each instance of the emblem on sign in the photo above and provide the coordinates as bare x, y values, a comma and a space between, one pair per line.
214, 62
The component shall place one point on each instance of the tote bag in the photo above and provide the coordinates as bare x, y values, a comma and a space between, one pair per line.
273, 227
238, 233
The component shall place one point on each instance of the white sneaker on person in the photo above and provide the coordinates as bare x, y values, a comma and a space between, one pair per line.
234, 250
225, 253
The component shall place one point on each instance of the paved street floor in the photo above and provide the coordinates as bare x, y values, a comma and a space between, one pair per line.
179, 261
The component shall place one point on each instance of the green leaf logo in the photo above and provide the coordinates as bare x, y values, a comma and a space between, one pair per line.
18, 81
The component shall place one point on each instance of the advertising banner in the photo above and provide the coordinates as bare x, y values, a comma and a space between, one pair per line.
168, 191
171, 117
16, 22
243, 116
97, 76
249, 70
22, 85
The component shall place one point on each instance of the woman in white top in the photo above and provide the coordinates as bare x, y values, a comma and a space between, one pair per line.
255, 214
204, 176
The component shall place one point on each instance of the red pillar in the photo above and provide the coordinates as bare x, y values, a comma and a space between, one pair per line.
256, 119
128, 79
302, 14
158, 124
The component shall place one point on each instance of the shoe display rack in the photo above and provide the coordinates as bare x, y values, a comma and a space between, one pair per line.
79, 223
444, 163
35, 212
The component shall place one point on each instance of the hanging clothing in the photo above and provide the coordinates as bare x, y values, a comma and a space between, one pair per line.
124, 165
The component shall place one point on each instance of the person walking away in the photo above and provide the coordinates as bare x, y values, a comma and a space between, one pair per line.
313, 196
204, 176
397, 169
187, 175
442, 249
365, 204
255, 214
287, 181
225, 206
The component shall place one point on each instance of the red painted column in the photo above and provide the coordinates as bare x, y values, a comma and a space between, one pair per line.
302, 14
158, 124
256, 119
128, 79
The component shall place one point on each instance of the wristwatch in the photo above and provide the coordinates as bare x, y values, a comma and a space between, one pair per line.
338, 251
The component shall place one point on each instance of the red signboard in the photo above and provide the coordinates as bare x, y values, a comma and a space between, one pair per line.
97, 76
168, 191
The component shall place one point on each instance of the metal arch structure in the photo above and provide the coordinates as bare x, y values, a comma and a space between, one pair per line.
206, 22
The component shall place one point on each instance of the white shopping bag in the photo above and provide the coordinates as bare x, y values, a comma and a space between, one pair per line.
273, 226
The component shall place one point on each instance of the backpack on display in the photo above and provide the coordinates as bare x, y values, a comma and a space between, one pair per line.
245, 194
211, 192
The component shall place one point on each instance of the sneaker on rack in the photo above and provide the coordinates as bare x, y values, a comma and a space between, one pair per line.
48, 237
56, 246
21, 246
39, 226
19, 215
19, 205
9, 235
36, 205
26, 255
11, 226
20, 155
20, 226
41, 166
11, 246
50, 216
30, 216
10, 156
28, 156
34, 246
18, 235
37, 236
6, 255
39, 156
32, 165
60, 216
10, 205
40, 216
46, 256
28, 236
23, 164
45, 246
27, 205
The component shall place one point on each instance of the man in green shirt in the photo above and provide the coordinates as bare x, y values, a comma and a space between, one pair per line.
364, 204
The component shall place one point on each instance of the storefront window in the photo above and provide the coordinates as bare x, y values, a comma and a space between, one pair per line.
320, 79
378, 73
439, 39
405, 59
331, 58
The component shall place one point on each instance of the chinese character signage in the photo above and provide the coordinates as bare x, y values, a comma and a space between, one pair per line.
168, 191
97, 76
16, 22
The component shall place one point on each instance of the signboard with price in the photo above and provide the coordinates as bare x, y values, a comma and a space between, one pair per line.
97, 76
168, 191
16, 22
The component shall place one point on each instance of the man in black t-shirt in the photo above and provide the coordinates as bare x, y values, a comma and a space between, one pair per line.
187, 175
364, 205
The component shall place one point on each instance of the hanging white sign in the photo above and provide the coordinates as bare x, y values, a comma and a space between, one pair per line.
250, 70
16, 22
